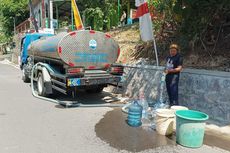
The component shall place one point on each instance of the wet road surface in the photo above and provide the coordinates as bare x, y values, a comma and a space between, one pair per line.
30, 125
114, 130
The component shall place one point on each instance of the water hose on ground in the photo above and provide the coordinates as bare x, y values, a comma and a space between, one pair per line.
66, 104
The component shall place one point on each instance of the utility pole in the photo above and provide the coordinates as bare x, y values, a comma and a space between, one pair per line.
14, 26
51, 14
57, 17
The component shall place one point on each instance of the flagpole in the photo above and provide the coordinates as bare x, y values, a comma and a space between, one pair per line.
146, 27
155, 49
118, 11
77, 18
72, 24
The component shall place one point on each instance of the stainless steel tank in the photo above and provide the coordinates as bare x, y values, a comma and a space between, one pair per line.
79, 48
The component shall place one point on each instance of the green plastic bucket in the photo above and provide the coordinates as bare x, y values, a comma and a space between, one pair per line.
190, 128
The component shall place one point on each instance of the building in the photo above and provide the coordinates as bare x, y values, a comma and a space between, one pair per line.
49, 14
57, 14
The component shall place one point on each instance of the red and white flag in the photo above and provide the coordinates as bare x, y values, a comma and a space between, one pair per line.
144, 19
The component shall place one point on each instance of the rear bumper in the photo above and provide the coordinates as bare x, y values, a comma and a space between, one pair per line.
91, 81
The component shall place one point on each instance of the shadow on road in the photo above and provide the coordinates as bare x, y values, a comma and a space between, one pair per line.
87, 98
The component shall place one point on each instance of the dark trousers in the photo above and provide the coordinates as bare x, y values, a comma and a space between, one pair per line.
172, 81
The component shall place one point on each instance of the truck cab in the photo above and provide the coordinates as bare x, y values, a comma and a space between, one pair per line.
25, 42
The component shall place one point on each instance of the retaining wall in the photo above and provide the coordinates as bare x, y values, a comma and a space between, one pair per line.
206, 91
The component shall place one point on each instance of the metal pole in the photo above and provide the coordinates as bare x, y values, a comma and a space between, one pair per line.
57, 14
48, 14
51, 14
14, 27
155, 50
72, 26
118, 10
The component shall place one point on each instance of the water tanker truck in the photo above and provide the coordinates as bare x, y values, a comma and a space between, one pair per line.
65, 62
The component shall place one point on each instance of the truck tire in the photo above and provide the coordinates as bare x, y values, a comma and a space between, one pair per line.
41, 86
25, 76
95, 90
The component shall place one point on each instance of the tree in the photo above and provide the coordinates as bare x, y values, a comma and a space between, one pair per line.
99, 14
12, 10
192, 21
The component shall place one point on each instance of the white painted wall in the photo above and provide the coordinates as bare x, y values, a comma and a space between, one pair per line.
36, 12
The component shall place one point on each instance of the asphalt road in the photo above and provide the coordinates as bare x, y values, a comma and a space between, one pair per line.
30, 125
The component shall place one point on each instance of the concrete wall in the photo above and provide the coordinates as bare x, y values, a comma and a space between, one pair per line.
206, 91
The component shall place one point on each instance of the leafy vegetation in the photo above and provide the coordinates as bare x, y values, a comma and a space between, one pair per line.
100, 14
193, 23
12, 11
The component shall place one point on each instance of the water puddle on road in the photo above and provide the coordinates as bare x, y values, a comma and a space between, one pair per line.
114, 130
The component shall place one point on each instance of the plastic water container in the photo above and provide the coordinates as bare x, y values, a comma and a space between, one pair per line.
164, 121
145, 107
129, 21
134, 114
176, 108
190, 128
142, 101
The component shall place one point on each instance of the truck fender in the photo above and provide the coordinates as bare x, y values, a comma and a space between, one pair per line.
47, 80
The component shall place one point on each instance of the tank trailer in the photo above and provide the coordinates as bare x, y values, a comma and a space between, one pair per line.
65, 62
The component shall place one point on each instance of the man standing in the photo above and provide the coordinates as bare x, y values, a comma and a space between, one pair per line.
173, 69
123, 18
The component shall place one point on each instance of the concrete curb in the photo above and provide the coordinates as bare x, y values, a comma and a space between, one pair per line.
223, 131
7, 56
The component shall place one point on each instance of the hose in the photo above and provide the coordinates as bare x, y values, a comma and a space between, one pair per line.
69, 104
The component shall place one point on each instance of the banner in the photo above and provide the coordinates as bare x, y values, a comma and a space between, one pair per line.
77, 17
143, 14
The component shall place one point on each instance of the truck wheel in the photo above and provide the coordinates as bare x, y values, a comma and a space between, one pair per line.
25, 76
41, 86
95, 90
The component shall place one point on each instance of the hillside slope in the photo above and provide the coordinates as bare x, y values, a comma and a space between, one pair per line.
133, 50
